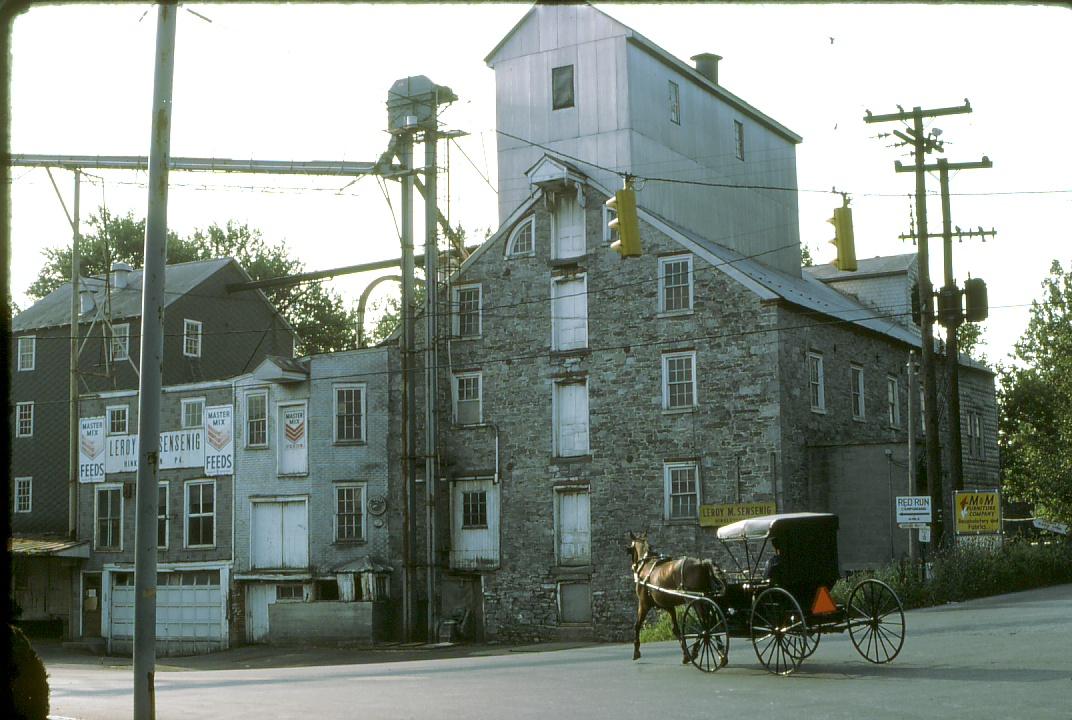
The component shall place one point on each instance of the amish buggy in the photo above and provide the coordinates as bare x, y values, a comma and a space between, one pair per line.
777, 595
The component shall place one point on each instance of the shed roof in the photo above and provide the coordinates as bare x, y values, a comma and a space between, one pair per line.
47, 546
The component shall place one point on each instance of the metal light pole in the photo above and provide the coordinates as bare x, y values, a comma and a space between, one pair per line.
72, 429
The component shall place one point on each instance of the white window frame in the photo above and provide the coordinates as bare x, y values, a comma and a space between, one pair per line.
675, 102
23, 494
335, 389
663, 262
263, 392
556, 421
856, 392
609, 235
31, 341
668, 493
115, 410
187, 516
666, 358
455, 384
192, 335
738, 139
456, 315
816, 385
166, 517
893, 401
556, 283
119, 343
24, 426
289, 586
511, 244
359, 505
97, 491
483, 493
191, 402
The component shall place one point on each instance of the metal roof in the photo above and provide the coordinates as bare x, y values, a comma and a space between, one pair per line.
48, 545
869, 267
54, 310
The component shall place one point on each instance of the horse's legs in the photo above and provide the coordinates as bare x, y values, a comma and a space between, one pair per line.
686, 658
643, 606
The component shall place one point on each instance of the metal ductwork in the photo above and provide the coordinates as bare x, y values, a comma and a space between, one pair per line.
707, 65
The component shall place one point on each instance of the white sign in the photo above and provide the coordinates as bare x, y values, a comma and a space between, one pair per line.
182, 449
913, 509
219, 440
122, 454
293, 440
91, 449
1054, 527
925, 534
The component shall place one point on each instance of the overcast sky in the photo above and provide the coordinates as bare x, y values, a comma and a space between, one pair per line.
309, 82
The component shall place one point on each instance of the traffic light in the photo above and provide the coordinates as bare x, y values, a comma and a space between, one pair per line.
625, 222
843, 238
976, 308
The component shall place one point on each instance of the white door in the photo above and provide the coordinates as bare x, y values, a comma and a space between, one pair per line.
279, 535
569, 313
258, 597
574, 528
571, 418
569, 226
474, 524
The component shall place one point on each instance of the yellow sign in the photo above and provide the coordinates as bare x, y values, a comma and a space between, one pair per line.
977, 513
719, 515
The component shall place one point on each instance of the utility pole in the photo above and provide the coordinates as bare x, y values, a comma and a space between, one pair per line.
72, 429
431, 389
911, 490
922, 144
152, 356
409, 403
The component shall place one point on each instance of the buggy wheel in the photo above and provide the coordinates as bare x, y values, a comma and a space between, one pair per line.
812, 643
779, 631
876, 621
706, 635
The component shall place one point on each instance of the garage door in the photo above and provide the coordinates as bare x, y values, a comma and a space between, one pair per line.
189, 605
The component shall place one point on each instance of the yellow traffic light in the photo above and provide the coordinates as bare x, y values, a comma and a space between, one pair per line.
625, 223
843, 239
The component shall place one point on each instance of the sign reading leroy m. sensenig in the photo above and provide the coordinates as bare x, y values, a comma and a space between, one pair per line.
719, 515
913, 509
977, 513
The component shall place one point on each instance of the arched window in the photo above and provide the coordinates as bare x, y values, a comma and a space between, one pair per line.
522, 239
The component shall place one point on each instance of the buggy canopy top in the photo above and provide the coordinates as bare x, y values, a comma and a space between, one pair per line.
780, 526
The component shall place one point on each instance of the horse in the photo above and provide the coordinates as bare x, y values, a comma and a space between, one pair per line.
651, 570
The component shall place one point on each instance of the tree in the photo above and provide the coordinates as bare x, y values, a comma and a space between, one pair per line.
318, 315
1035, 424
806, 259
968, 338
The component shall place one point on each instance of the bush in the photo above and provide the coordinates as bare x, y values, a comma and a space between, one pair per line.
28, 679
657, 627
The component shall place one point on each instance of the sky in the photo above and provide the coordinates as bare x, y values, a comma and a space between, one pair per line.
309, 82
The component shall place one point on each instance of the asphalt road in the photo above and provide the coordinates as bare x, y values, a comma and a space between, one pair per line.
1003, 657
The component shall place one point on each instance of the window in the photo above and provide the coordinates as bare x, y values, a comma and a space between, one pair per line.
475, 509
856, 379
24, 419
975, 434
349, 413
567, 224
193, 413
815, 382
290, 591
163, 521
738, 138
569, 313
522, 240
117, 420
23, 494
675, 284
27, 352
679, 380
675, 103
468, 398
109, 518
893, 404
119, 347
257, 419
349, 513
682, 491
562, 87
609, 235
573, 526
570, 418
201, 513
191, 338
467, 311
922, 410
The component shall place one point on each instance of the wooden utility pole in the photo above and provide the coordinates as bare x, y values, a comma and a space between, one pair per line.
922, 144
72, 428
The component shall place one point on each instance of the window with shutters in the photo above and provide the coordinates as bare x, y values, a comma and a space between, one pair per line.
568, 226
573, 527
467, 399
569, 313
570, 419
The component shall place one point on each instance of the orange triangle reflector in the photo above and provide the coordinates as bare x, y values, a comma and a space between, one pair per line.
823, 603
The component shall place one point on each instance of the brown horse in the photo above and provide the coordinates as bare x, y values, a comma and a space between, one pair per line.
683, 574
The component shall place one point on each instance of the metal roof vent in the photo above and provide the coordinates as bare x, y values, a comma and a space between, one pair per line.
120, 272
707, 65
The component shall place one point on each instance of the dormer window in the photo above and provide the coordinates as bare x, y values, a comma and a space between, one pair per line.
522, 240
562, 87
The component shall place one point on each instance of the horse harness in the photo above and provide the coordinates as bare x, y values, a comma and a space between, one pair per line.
657, 559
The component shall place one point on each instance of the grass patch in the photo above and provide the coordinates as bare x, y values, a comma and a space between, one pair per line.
657, 627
